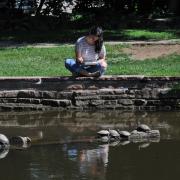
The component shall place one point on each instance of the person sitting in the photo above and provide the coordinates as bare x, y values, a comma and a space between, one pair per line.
90, 55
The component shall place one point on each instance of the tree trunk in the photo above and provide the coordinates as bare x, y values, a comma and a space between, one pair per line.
20, 5
40, 7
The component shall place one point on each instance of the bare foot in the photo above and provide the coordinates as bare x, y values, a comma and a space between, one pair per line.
96, 74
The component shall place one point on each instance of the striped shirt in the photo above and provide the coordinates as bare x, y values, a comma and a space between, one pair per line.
87, 51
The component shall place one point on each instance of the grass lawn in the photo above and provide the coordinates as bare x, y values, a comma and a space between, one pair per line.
148, 34
50, 62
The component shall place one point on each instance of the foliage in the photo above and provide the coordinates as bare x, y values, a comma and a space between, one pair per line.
55, 7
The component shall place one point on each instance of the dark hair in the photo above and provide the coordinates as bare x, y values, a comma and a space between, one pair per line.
97, 31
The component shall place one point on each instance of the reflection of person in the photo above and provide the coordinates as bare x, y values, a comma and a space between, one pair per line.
90, 55
94, 161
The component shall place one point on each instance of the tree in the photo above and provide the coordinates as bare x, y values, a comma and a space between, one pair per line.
174, 6
41, 3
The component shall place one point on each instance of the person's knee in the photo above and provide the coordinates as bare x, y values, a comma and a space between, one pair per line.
67, 63
102, 69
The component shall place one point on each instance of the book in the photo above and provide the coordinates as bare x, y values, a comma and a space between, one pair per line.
90, 63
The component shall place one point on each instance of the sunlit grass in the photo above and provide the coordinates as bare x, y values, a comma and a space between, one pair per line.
50, 62
147, 34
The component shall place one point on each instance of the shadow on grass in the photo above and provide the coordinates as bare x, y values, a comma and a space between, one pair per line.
47, 29
70, 36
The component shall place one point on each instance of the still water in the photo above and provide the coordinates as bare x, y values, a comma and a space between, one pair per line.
63, 146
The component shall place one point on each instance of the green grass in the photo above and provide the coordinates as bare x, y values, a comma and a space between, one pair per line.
34, 61
50, 62
147, 34
120, 63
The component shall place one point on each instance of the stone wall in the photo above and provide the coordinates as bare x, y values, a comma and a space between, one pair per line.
107, 92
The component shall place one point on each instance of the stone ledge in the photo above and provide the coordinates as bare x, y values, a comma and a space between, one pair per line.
107, 92
106, 77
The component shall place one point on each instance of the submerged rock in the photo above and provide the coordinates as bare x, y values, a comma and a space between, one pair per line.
20, 142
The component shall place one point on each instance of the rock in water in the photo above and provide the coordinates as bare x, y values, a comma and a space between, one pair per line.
102, 133
4, 141
143, 128
19, 141
114, 134
124, 134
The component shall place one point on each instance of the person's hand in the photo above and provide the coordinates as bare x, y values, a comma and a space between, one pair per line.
79, 60
103, 63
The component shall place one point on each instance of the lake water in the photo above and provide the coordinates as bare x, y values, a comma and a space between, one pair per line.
63, 146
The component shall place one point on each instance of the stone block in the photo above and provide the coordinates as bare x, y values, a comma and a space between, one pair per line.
93, 87
86, 97
24, 100
35, 101
138, 94
75, 87
155, 93
111, 97
64, 95
48, 94
146, 93
140, 102
110, 102
28, 94
8, 100
50, 102
153, 103
81, 103
120, 91
64, 103
106, 91
96, 102
8, 94
125, 102
129, 96
85, 92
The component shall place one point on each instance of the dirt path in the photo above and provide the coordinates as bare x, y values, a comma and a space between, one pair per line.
139, 50
151, 51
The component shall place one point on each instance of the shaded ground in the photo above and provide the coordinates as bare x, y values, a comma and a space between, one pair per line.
151, 51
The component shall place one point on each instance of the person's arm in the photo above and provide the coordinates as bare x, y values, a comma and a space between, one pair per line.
102, 57
79, 58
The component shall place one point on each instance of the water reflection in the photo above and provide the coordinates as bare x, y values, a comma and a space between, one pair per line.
64, 146
69, 124
93, 161
3, 152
